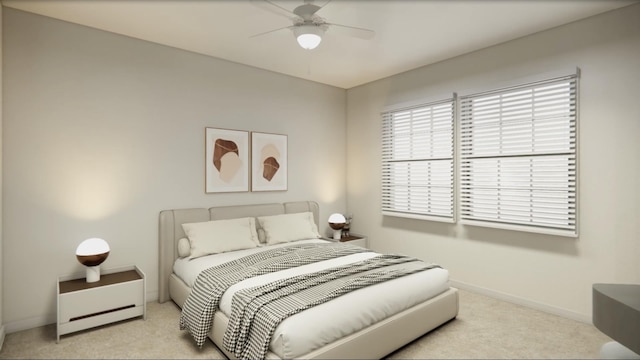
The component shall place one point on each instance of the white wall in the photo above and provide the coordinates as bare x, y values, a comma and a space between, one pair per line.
548, 272
101, 132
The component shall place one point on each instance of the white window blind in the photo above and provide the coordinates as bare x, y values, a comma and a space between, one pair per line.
417, 161
518, 157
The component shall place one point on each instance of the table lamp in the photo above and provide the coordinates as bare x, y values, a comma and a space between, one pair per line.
91, 253
337, 222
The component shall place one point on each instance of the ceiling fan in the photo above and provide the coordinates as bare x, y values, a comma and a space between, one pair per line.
308, 27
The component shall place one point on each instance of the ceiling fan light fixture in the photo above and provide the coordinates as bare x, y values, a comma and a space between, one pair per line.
308, 36
309, 41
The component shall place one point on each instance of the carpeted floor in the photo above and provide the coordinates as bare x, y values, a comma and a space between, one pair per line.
485, 328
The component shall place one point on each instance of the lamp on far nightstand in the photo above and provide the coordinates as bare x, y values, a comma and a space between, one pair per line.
91, 253
337, 222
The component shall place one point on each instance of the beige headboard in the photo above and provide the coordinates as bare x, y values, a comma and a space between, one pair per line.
170, 228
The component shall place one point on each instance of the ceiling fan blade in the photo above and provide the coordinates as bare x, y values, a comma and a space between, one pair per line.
274, 8
357, 32
270, 31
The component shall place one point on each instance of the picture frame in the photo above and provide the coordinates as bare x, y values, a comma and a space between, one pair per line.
269, 164
227, 160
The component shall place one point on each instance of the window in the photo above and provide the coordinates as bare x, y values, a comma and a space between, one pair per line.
417, 161
518, 157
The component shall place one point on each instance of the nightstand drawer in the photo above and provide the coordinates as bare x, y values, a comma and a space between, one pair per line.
83, 303
97, 320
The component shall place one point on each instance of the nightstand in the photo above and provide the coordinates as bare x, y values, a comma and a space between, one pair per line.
353, 239
118, 295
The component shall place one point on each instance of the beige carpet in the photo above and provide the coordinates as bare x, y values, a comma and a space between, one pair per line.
484, 329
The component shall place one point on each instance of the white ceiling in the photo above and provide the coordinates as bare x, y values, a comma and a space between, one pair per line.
409, 34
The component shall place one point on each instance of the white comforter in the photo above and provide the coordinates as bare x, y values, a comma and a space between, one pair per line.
323, 324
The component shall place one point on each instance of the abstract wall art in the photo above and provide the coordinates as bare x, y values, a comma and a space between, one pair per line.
269, 162
226, 160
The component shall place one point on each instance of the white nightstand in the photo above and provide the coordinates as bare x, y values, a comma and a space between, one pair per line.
119, 295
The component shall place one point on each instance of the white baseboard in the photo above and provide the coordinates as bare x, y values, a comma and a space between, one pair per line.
30, 323
152, 296
35, 322
521, 301
1, 336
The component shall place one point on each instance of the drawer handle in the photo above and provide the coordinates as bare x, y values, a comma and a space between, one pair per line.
101, 312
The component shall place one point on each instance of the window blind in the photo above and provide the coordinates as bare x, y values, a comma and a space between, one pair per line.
518, 157
417, 161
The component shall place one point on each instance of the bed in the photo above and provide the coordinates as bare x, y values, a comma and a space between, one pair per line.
348, 326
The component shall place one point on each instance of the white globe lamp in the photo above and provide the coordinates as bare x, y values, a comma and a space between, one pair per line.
91, 253
337, 222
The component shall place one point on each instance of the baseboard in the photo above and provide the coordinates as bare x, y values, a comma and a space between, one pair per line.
152, 296
35, 322
1, 336
30, 323
521, 301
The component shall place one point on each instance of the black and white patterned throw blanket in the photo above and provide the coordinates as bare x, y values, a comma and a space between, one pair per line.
201, 304
257, 311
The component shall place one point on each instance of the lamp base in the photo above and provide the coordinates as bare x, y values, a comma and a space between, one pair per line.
615, 350
337, 234
93, 273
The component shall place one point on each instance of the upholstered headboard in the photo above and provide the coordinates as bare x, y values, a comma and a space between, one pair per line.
170, 228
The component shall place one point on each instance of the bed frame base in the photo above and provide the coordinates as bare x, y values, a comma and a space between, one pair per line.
377, 340
373, 342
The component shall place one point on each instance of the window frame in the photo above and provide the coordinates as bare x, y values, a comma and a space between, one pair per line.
572, 75
387, 160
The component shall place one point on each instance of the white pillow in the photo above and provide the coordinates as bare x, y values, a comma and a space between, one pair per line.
289, 227
184, 248
217, 236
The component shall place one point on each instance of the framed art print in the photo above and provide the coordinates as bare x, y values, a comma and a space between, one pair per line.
269, 162
226, 160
